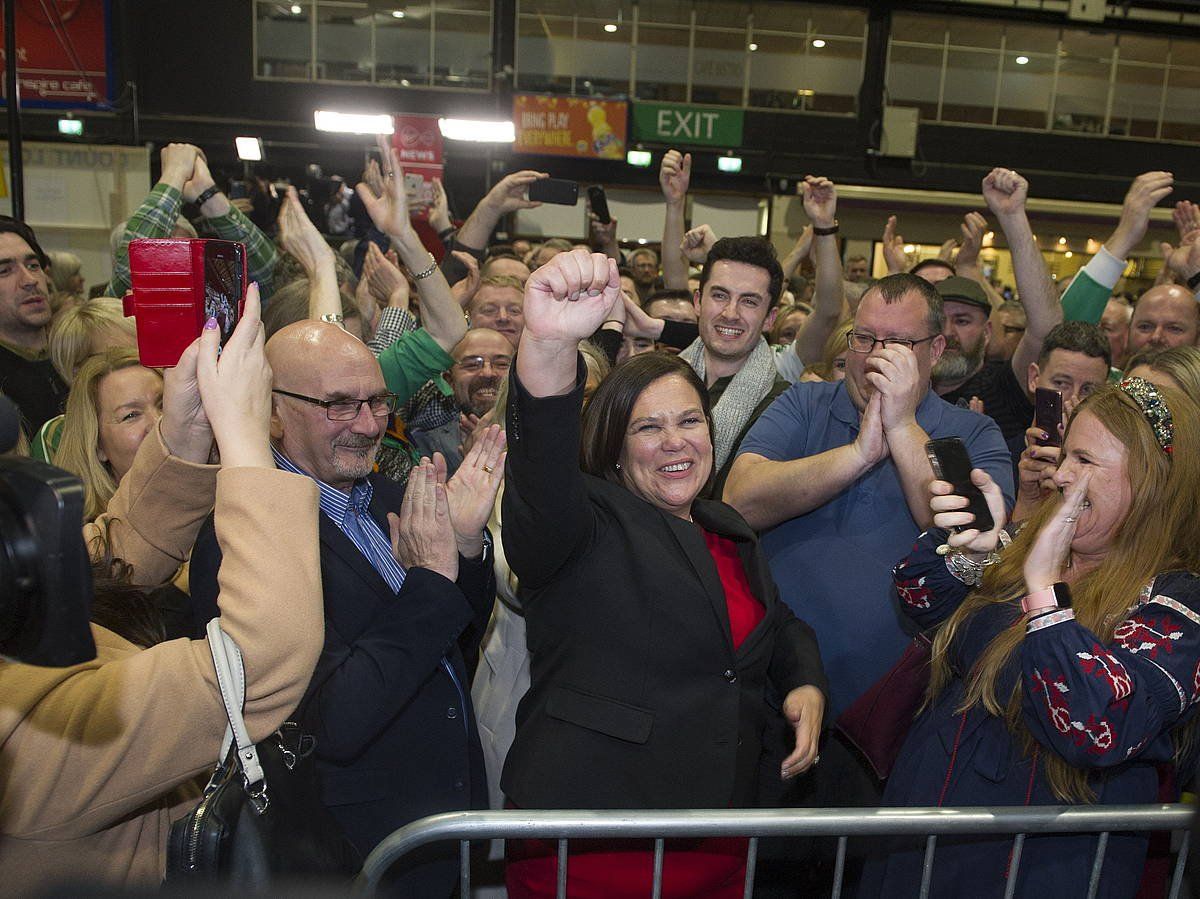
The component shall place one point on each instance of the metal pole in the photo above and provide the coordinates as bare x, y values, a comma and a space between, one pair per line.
16, 162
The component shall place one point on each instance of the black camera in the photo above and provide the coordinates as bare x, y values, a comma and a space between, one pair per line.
45, 572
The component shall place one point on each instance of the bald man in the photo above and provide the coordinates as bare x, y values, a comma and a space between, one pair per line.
388, 702
1165, 316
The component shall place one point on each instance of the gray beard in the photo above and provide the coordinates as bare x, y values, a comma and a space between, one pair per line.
958, 366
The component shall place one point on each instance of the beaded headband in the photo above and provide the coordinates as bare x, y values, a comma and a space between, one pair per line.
1154, 407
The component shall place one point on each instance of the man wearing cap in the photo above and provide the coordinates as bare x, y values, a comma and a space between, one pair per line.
963, 372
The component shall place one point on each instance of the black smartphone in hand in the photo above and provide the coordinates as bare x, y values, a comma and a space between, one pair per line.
952, 463
598, 201
1047, 414
558, 191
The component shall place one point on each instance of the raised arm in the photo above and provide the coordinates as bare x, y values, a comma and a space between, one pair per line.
1005, 192
441, 315
966, 264
300, 238
893, 248
509, 195
673, 177
820, 204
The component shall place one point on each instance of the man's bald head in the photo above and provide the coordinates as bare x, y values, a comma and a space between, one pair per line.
320, 361
1165, 316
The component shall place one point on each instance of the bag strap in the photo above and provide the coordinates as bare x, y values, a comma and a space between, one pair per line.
231, 678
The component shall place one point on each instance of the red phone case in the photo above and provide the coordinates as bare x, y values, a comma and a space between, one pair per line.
167, 295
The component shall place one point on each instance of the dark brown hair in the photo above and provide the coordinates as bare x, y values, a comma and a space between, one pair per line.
606, 417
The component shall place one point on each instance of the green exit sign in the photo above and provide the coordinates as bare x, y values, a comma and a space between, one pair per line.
685, 124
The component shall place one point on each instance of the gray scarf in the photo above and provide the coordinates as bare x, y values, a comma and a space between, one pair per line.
747, 389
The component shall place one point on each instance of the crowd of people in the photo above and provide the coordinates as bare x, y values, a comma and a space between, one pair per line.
552, 525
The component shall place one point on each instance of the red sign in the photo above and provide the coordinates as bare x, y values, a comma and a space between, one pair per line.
62, 52
418, 143
569, 126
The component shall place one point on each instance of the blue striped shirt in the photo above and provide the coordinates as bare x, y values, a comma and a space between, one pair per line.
350, 512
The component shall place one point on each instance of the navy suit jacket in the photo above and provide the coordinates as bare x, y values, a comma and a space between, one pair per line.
396, 734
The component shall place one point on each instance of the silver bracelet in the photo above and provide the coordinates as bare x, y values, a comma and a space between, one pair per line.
421, 276
969, 571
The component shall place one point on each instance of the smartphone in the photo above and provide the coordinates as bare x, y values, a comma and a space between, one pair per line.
951, 462
1047, 414
177, 285
554, 190
599, 204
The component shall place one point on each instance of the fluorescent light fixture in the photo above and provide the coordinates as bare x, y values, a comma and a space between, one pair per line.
1022, 60
249, 149
753, 47
73, 127
818, 43
353, 123
397, 14
730, 164
610, 28
640, 158
478, 130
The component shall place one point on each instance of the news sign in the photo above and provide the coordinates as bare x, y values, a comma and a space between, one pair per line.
570, 126
62, 53
418, 143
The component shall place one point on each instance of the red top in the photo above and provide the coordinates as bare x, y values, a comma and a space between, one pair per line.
745, 611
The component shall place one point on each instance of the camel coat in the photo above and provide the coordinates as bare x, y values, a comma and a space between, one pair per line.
97, 760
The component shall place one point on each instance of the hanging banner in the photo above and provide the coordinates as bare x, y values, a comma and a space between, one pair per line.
62, 54
570, 126
418, 143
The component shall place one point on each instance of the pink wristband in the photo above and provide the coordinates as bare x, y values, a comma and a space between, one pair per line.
1039, 601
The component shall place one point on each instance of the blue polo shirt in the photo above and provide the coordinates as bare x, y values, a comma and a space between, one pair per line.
834, 564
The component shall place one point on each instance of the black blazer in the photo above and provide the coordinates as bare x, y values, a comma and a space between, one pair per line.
396, 737
638, 698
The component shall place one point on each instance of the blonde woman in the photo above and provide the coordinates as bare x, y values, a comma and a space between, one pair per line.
66, 279
114, 403
1177, 367
1066, 666
832, 366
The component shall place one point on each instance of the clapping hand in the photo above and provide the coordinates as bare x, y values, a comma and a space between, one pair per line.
389, 211
299, 237
384, 279
422, 534
472, 491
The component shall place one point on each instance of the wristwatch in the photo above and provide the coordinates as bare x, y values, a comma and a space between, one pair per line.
1047, 599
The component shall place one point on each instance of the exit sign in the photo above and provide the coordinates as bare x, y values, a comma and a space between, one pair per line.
685, 124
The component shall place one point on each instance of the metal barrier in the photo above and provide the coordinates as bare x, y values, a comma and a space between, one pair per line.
754, 823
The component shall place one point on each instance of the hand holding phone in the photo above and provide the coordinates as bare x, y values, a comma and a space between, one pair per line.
951, 462
554, 190
598, 202
1048, 415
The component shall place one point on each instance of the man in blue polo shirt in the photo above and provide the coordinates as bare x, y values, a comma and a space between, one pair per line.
836, 477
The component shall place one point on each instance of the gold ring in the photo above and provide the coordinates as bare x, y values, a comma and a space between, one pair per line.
488, 469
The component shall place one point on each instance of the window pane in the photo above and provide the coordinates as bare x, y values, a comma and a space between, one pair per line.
1140, 48
834, 74
671, 12
720, 62
975, 33
918, 29
1028, 40
1136, 100
545, 61
1026, 90
1181, 118
1083, 77
284, 41
722, 14
602, 61
912, 79
780, 73
1185, 52
402, 50
343, 42
662, 61
970, 87
462, 50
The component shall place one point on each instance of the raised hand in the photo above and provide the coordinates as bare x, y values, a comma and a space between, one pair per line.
439, 211
893, 248
603, 237
1186, 216
567, 299
973, 227
389, 211
464, 290
674, 175
422, 535
1005, 192
200, 180
178, 162
820, 201
471, 493
512, 192
1143, 195
1047, 557
372, 176
235, 388
384, 279
803, 245
949, 512
299, 237
696, 244
1184, 260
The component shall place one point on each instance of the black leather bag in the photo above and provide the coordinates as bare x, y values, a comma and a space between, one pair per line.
261, 819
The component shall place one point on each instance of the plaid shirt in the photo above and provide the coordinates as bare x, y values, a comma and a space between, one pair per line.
156, 218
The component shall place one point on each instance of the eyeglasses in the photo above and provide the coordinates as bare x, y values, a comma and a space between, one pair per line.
865, 343
473, 364
381, 405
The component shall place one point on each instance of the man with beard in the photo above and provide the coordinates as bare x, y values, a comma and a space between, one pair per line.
481, 363
388, 703
963, 373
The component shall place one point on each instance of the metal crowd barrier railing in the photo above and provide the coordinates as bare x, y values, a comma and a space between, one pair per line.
931, 823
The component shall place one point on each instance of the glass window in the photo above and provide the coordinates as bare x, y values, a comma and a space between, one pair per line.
1141, 48
1136, 100
1083, 77
462, 49
833, 74
662, 63
1185, 52
970, 90
913, 78
910, 28
602, 60
284, 40
1030, 40
666, 12
1181, 117
545, 59
719, 65
1026, 89
402, 50
780, 72
978, 33
344, 42
722, 14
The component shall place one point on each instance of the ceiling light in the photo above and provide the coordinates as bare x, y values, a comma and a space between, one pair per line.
909, 248
640, 158
397, 14
478, 130
1022, 60
753, 47
249, 149
353, 123
818, 43
730, 164
610, 27
1062, 240
296, 9
1068, 254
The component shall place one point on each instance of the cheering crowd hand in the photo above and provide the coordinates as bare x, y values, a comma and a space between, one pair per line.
1047, 558
1146, 191
567, 299
298, 236
512, 192
373, 177
464, 290
235, 387
974, 226
178, 162
602, 236
820, 201
384, 279
471, 493
422, 534
439, 210
1186, 216
674, 175
1005, 192
896, 377
696, 244
893, 248
389, 211
871, 443
803, 245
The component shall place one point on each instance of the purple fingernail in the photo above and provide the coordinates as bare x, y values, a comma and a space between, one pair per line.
211, 324
1045, 436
